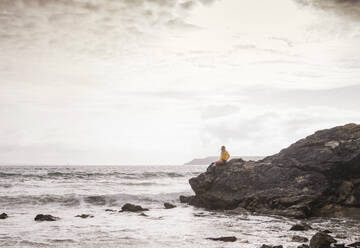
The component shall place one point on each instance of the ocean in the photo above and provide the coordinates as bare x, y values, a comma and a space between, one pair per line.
67, 191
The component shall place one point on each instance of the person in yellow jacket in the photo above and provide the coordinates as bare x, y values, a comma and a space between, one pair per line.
224, 156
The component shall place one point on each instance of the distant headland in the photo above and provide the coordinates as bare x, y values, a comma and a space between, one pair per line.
210, 159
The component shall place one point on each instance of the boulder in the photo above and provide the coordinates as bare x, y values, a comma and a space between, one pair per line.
316, 176
110, 210
299, 239
271, 246
3, 216
300, 227
84, 216
169, 205
45, 217
321, 240
224, 239
128, 207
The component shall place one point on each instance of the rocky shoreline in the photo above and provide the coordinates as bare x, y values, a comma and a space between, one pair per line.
316, 176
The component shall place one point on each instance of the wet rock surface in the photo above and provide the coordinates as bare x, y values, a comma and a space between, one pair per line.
3, 216
224, 239
85, 216
168, 205
128, 207
316, 176
271, 246
45, 217
300, 227
321, 240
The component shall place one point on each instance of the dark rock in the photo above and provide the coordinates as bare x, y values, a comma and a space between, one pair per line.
316, 176
169, 205
128, 207
144, 215
303, 246
340, 236
224, 239
3, 216
110, 210
184, 199
327, 231
271, 246
299, 239
339, 245
356, 244
84, 216
45, 217
321, 240
300, 227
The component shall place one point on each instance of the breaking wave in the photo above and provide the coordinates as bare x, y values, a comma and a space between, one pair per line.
98, 200
86, 175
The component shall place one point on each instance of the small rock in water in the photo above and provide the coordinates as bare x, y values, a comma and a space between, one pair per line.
224, 239
321, 240
169, 205
128, 207
356, 244
145, 215
110, 210
327, 231
340, 236
84, 216
300, 227
303, 246
299, 239
3, 216
271, 246
45, 217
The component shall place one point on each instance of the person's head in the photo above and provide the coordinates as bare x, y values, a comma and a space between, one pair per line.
223, 148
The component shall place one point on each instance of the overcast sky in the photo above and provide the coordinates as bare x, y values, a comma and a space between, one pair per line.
165, 81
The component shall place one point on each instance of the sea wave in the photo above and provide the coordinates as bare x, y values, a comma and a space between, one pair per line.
70, 200
88, 175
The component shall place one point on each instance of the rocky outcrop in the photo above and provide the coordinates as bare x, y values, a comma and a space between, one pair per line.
300, 227
85, 216
45, 217
224, 239
168, 205
316, 176
321, 240
128, 207
3, 216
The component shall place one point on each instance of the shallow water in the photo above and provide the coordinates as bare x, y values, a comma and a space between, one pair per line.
69, 191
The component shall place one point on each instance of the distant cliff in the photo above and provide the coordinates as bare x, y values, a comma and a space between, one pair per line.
209, 160
316, 176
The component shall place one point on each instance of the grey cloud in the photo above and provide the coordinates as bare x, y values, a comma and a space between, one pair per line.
99, 26
347, 8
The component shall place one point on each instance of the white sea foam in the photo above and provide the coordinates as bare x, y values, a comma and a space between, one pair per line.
68, 191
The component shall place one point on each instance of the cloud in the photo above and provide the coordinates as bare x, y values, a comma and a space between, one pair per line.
346, 8
99, 27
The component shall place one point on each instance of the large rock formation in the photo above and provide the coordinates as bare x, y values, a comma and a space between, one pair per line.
316, 176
